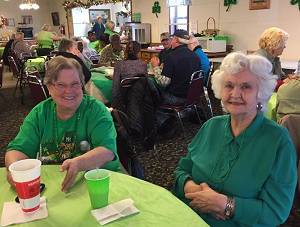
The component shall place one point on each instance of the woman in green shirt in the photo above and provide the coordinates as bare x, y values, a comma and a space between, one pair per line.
241, 168
69, 128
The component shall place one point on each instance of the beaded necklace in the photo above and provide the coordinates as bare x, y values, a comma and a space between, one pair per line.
60, 152
220, 155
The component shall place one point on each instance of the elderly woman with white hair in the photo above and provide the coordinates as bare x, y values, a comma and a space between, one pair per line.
240, 169
45, 40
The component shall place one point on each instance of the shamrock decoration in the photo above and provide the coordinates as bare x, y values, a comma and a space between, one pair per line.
156, 8
229, 3
294, 2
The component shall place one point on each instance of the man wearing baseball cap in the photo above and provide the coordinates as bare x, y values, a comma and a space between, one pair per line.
98, 27
175, 76
166, 42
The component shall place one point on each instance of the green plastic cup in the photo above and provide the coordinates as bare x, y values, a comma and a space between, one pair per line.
98, 186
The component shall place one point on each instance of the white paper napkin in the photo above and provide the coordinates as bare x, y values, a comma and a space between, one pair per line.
12, 213
115, 211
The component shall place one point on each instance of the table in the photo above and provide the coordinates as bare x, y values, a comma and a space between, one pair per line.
157, 206
271, 114
104, 84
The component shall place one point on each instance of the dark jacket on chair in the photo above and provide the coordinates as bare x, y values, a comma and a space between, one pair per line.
139, 102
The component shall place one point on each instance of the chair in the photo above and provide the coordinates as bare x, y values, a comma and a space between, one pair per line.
125, 148
36, 87
139, 99
1, 94
205, 100
19, 75
194, 93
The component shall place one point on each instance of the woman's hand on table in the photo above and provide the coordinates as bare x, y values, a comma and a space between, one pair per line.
209, 201
71, 166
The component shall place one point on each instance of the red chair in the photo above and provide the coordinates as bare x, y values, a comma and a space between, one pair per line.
194, 93
36, 87
1, 94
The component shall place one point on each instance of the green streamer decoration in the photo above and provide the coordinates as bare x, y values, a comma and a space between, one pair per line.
294, 2
156, 8
228, 3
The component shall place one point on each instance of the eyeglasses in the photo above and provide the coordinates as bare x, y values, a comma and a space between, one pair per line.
62, 87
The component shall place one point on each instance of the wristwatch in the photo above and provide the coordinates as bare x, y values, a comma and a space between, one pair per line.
229, 207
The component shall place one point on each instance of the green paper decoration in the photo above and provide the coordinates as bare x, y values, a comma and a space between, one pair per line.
228, 3
294, 2
156, 8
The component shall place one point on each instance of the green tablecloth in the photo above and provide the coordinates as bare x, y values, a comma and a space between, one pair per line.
105, 84
157, 206
271, 114
1, 52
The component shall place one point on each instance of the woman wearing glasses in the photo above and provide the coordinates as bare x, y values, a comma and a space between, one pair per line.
241, 168
69, 128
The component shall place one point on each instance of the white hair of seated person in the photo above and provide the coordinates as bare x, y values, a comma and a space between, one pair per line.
257, 65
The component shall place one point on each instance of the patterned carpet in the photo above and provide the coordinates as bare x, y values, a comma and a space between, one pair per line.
158, 164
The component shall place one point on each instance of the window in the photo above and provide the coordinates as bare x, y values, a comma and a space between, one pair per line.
178, 18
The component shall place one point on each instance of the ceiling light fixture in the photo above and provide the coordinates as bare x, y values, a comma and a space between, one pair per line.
28, 4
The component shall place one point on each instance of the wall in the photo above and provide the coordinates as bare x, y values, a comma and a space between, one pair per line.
11, 9
241, 25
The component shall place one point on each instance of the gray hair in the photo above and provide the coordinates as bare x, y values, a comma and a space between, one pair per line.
46, 27
66, 44
56, 64
76, 38
257, 65
182, 40
194, 39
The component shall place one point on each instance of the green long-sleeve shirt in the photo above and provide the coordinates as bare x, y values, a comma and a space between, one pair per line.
263, 175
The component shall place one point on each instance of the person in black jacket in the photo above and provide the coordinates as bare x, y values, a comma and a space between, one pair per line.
69, 48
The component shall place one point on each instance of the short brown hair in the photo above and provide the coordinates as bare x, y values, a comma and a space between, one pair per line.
56, 64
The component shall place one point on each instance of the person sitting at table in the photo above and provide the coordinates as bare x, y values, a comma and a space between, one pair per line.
98, 27
205, 65
234, 176
272, 43
175, 77
104, 41
166, 41
69, 128
129, 67
20, 46
45, 40
94, 43
88, 51
69, 48
112, 52
110, 29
